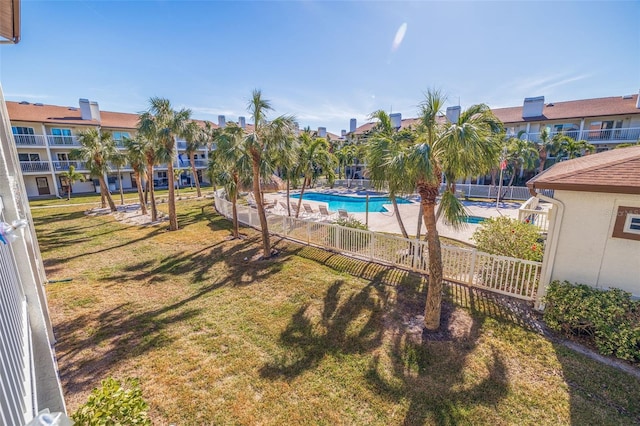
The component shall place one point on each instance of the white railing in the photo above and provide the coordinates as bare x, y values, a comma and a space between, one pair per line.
505, 275
539, 218
34, 166
61, 166
489, 191
55, 140
629, 134
30, 140
16, 370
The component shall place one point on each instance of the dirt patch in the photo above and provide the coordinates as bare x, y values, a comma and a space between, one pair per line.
129, 214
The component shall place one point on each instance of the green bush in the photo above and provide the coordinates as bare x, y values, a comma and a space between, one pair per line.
609, 317
112, 404
509, 237
351, 223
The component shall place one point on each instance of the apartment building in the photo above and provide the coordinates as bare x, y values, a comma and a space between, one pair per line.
46, 134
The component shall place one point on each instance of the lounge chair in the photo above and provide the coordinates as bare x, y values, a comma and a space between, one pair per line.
283, 205
324, 213
343, 214
308, 211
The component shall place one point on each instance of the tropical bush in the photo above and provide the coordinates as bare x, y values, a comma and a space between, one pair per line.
351, 223
114, 404
509, 237
610, 318
344, 240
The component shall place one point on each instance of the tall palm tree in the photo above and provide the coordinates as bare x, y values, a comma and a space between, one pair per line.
521, 155
572, 148
136, 157
549, 145
286, 161
119, 160
71, 176
385, 160
162, 124
314, 157
196, 137
443, 148
266, 137
96, 150
346, 155
231, 166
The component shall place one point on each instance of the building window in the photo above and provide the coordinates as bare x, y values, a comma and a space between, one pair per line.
627, 223
28, 157
22, 130
61, 136
119, 137
24, 135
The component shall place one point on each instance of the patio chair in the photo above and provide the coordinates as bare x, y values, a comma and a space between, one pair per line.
343, 214
308, 211
324, 213
283, 206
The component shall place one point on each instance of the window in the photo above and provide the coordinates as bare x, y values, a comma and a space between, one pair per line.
61, 136
29, 157
22, 130
118, 137
627, 223
23, 135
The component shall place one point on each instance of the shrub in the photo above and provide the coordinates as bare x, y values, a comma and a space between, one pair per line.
351, 223
112, 404
609, 317
338, 238
509, 237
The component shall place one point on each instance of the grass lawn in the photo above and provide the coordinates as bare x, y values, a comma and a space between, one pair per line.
308, 337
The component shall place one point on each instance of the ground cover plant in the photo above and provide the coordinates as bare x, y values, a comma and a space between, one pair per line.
306, 337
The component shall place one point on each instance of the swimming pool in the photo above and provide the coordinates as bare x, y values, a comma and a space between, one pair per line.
475, 219
352, 204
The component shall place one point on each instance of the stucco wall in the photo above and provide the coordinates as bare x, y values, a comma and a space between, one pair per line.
587, 253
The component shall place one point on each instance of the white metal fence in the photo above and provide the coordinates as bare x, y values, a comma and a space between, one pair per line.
16, 392
500, 274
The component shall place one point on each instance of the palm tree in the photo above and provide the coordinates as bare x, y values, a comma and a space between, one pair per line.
314, 157
135, 155
96, 150
285, 161
549, 145
196, 137
118, 160
162, 124
450, 149
177, 172
385, 160
71, 176
267, 137
346, 156
573, 148
521, 155
231, 166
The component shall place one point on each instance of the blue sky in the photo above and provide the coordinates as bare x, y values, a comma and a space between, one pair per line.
323, 61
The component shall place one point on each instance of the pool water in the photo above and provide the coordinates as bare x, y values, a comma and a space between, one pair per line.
475, 219
352, 204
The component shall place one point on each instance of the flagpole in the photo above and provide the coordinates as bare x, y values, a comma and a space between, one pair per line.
503, 166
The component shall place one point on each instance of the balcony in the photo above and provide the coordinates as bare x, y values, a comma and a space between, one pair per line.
62, 140
630, 134
30, 140
63, 166
34, 166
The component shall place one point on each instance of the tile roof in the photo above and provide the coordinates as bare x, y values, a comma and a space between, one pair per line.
55, 114
615, 171
404, 123
615, 105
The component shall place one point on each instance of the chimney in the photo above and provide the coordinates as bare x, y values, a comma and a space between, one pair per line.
322, 132
243, 122
95, 110
532, 107
343, 133
396, 120
453, 114
638, 101
222, 122
85, 109
353, 124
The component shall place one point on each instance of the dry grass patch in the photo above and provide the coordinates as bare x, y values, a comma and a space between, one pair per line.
306, 337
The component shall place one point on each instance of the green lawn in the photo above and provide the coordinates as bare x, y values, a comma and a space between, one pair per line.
308, 337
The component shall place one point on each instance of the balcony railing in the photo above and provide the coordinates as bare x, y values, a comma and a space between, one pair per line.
630, 134
30, 140
34, 166
63, 166
62, 140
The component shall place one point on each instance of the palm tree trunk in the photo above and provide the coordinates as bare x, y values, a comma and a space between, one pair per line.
234, 209
288, 191
428, 194
152, 193
104, 189
419, 227
494, 173
120, 184
543, 159
266, 244
394, 201
513, 176
192, 160
69, 192
173, 218
304, 184
103, 200
143, 206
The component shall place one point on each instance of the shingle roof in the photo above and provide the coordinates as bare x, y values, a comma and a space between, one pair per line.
616, 105
404, 123
615, 171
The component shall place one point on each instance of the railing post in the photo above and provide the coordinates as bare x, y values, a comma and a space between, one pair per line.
372, 241
308, 232
472, 267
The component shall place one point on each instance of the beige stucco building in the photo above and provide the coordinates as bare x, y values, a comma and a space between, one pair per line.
594, 237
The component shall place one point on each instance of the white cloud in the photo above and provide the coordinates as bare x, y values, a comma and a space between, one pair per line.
397, 40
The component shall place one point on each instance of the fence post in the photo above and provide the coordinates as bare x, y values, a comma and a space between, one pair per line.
472, 268
372, 243
308, 232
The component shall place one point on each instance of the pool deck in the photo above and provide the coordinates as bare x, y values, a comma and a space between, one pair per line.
386, 222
